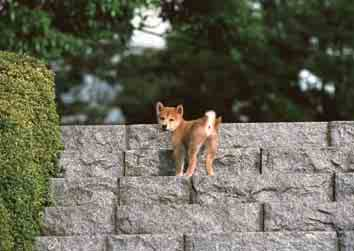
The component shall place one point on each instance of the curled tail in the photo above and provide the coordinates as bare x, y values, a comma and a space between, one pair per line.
212, 123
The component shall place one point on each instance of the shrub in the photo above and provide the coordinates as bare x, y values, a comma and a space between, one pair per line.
29, 146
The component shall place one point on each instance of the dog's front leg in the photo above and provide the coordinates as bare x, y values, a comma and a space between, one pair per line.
179, 156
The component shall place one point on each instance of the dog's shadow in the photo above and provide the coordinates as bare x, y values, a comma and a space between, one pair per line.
166, 163
167, 166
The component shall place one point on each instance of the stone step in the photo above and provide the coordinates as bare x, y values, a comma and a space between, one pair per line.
150, 136
263, 188
91, 139
346, 240
83, 191
71, 243
161, 242
93, 151
297, 216
94, 218
247, 241
161, 163
226, 189
205, 190
260, 241
154, 190
341, 133
235, 161
344, 187
308, 160
164, 219
158, 242
240, 135
92, 164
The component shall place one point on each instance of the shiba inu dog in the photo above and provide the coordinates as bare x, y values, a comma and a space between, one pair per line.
189, 136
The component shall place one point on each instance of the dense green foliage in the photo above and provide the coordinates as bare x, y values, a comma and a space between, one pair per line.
242, 58
29, 146
53, 29
78, 37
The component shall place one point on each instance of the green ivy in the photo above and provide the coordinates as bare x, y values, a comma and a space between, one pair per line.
29, 147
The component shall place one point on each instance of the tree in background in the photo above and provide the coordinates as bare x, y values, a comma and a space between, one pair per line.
75, 37
246, 59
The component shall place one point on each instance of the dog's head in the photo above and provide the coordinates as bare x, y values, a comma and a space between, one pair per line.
169, 117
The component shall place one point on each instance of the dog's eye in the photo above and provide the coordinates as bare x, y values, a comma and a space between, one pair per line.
171, 120
162, 118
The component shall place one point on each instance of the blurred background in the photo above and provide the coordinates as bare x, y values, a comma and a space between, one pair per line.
250, 60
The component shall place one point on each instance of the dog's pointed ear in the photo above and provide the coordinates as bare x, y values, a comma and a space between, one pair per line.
180, 109
159, 107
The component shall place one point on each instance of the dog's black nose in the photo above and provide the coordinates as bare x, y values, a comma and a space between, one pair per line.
164, 127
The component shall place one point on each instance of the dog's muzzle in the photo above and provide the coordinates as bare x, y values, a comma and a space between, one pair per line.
164, 127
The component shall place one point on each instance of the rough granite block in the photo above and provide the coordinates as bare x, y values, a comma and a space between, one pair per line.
345, 187
94, 138
80, 220
341, 133
148, 136
239, 135
307, 160
225, 241
149, 163
334, 216
156, 190
236, 161
276, 241
95, 164
160, 219
71, 243
82, 191
273, 134
346, 241
146, 243
263, 188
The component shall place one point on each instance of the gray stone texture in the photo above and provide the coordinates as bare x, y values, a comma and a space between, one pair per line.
79, 220
82, 191
239, 135
272, 241
273, 134
154, 190
301, 169
345, 187
71, 243
144, 162
341, 133
145, 243
346, 241
160, 219
334, 216
238, 161
148, 136
94, 138
93, 151
263, 188
307, 160
92, 164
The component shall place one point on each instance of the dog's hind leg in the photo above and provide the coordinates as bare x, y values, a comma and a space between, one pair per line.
179, 156
193, 150
212, 146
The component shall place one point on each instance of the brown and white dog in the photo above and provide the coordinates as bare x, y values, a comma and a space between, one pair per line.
189, 136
